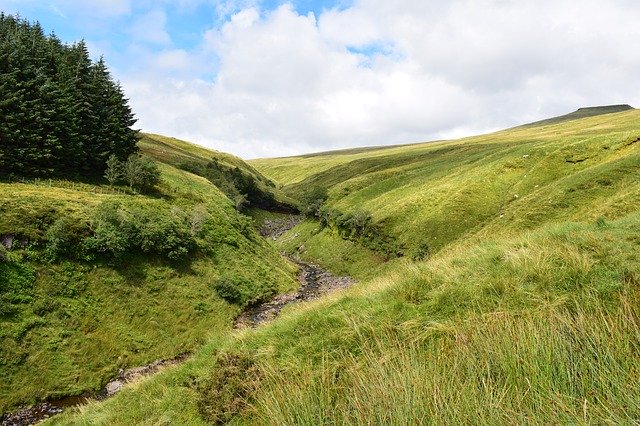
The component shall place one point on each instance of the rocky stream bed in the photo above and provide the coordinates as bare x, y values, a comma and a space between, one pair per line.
314, 280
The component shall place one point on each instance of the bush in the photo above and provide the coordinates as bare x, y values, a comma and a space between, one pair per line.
62, 238
230, 290
114, 171
141, 172
313, 200
111, 232
164, 234
149, 229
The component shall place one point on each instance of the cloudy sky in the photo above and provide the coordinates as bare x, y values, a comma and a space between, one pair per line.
271, 78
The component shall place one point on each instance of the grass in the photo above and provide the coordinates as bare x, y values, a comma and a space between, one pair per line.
441, 192
525, 311
68, 324
542, 328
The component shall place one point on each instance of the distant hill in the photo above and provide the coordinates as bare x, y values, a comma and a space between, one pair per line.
581, 113
239, 181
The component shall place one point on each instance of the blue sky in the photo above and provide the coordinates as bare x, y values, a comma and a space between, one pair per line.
269, 78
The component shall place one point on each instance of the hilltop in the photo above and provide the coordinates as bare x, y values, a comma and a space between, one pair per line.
582, 113
498, 282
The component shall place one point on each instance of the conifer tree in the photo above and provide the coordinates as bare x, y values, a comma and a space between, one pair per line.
61, 114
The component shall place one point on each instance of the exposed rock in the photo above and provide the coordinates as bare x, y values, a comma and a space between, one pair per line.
314, 282
274, 228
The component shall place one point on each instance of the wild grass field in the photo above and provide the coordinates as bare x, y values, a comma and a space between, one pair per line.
70, 317
523, 306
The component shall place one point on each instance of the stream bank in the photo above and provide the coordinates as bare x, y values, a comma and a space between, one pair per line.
315, 282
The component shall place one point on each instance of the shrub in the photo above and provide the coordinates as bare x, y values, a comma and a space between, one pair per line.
230, 290
61, 238
141, 172
111, 232
150, 229
164, 234
313, 200
4, 254
114, 171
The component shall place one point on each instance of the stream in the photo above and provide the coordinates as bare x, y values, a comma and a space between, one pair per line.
315, 281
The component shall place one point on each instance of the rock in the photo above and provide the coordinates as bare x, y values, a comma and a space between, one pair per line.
274, 228
113, 387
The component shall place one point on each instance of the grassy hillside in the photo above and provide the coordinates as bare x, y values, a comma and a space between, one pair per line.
582, 113
525, 307
79, 299
434, 194
232, 175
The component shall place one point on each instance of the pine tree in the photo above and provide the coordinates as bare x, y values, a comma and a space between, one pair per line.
60, 113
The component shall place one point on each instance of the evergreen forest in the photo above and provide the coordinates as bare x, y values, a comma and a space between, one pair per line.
61, 113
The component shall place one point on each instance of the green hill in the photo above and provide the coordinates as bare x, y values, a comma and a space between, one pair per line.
101, 278
582, 113
511, 295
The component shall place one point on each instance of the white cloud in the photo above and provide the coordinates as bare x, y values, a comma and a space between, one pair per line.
286, 83
150, 28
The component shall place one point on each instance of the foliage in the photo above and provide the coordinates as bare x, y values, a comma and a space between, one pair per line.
141, 172
358, 226
242, 188
118, 230
62, 237
312, 201
114, 172
238, 290
61, 114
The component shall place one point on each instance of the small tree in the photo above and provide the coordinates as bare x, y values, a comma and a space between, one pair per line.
141, 172
313, 200
114, 171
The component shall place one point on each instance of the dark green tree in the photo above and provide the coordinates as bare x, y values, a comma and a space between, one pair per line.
61, 114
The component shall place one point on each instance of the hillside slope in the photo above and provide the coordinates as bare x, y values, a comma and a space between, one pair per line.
524, 307
435, 193
101, 278
232, 175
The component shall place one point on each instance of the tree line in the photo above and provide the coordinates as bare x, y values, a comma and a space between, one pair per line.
61, 114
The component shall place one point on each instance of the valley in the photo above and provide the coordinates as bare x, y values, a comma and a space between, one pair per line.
510, 292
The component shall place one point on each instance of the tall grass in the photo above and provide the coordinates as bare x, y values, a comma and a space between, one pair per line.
555, 365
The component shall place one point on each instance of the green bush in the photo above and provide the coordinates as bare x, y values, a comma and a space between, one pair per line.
150, 229
230, 289
141, 172
62, 238
112, 233
313, 200
4, 254
162, 233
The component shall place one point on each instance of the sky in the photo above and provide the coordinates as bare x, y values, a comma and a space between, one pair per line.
265, 78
